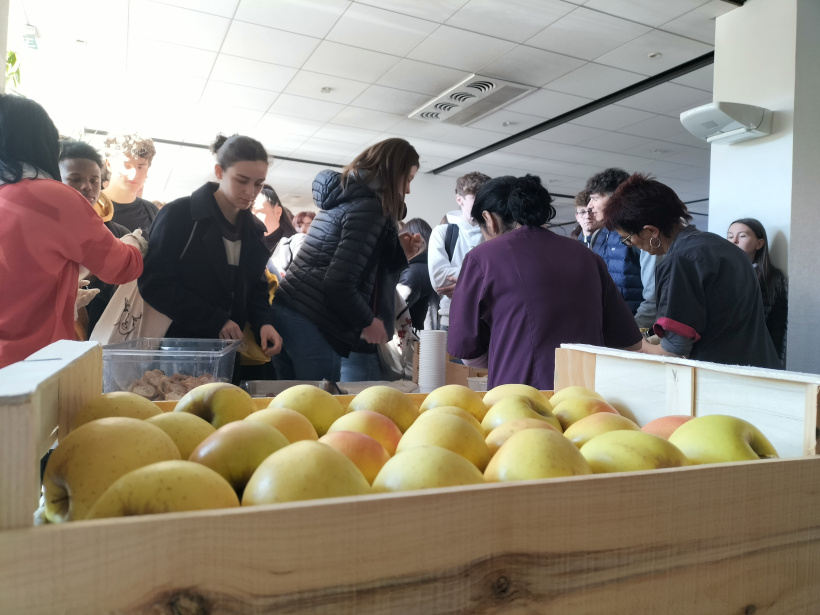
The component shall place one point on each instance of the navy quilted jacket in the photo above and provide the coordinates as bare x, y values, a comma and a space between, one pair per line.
624, 266
351, 250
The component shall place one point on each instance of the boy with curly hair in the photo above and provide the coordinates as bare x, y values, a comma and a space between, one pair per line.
128, 157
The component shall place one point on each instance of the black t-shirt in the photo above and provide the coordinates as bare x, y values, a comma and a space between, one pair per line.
707, 290
139, 214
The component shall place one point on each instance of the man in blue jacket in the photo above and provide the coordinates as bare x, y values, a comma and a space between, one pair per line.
632, 270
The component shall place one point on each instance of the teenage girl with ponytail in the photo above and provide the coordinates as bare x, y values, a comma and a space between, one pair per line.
525, 290
206, 260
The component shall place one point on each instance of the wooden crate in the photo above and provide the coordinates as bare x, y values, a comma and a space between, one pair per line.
727, 538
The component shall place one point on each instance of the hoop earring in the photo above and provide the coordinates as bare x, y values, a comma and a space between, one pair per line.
652, 245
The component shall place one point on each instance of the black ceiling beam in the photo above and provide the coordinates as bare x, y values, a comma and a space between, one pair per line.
673, 73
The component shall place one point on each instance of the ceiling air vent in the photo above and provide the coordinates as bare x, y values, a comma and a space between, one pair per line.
470, 100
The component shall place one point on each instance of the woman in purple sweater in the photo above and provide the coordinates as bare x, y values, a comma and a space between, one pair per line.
526, 290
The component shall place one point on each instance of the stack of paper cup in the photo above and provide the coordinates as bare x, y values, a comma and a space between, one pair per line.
432, 360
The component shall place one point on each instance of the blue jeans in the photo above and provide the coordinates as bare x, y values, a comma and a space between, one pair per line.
305, 355
361, 366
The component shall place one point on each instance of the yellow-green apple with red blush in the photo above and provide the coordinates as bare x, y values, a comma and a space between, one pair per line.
456, 395
716, 438
293, 425
573, 391
186, 430
502, 433
456, 411
501, 391
390, 402
372, 424
426, 467
219, 403
450, 432
116, 403
665, 426
631, 451
317, 405
368, 455
535, 453
583, 430
518, 407
575, 408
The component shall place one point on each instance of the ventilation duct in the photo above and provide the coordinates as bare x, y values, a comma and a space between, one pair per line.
470, 100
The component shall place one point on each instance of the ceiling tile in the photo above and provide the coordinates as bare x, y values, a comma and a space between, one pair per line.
546, 103
696, 174
243, 71
694, 156
279, 143
223, 8
459, 49
658, 127
659, 150
569, 134
687, 138
667, 99
531, 66
421, 128
699, 24
305, 108
330, 148
242, 96
210, 119
310, 85
344, 134
421, 77
379, 30
512, 20
674, 50
507, 159
348, 62
145, 55
391, 100
587, 34
309, 17
426, 148
595, 81
366, 118
473, 137
649, 12
275, 46
703, 78
614, 142
515, 122
438, 11
612, 117
161, 22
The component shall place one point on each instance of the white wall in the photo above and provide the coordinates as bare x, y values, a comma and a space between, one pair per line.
431, 197
768, 54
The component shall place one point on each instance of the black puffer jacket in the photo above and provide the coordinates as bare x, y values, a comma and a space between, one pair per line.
350, 252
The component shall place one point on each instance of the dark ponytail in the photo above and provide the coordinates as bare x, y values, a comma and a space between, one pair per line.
521, 200
237, 148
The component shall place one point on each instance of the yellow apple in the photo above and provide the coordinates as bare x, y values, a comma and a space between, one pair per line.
388, 401
219, 403
456, 395
535, 453
574, 409
573, 391
368, 455
293, 425
630, 451
506, 390
502, 433
372, 424
89, 459
317, 405
235, 450
716, 438
165, 486
117, 403
305, 470
450, 432
455, 410
186, 430
583, 430
426, 467
665, 426
518, 407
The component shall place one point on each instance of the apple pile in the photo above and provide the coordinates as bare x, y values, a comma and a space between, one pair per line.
126, 457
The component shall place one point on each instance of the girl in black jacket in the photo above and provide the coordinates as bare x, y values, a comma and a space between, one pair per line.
338, 297
206, 259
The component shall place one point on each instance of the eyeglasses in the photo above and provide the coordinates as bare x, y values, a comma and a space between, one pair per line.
627, 241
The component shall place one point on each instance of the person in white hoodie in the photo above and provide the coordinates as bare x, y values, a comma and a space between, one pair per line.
450, 243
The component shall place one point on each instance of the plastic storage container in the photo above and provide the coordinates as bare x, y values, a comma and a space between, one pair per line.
206, 359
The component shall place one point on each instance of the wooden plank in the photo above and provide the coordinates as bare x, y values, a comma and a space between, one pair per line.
574, 368
19, 454
680, 389
729, 538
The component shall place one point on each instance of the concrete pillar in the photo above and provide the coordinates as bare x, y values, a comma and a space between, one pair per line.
767, 53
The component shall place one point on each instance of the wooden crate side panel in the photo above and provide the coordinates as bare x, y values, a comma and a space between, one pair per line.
80, 381
639, 390
776, 407
574, 367
682, 541
20, 451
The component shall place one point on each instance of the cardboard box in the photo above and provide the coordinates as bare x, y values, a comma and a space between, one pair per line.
725, 538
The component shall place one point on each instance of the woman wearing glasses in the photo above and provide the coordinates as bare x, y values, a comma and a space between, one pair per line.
709, 303
525, 290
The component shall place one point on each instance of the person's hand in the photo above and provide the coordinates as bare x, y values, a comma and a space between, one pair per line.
84, 296
231, 331
447, 289
137, 240
271, 340
412, 244
375, 332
